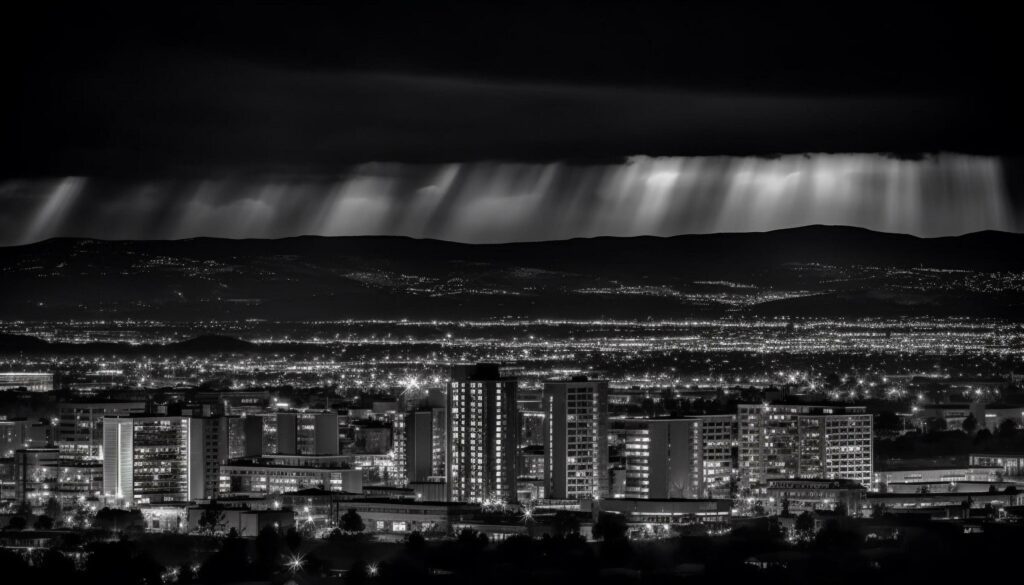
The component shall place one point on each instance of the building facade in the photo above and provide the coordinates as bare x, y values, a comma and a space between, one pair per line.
576, 439
80, 426
662, 458
276, 475
482, 435
151, 459
788, 441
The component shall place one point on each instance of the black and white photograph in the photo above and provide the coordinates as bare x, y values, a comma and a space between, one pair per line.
511, 293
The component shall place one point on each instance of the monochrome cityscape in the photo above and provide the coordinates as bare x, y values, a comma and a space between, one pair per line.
458, 293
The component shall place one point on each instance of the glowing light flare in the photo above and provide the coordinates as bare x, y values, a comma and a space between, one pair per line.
295, 563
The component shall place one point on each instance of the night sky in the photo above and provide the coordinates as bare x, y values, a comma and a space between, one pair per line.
507, 122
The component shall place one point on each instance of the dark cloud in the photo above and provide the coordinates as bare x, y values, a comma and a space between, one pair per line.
245, 119
200, 89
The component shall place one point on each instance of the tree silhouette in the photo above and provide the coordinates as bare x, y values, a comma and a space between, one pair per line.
56, 567
119, 520
351, 521
268, 551
293, 539
416, 544
564, 523
1007, 428
53, 509
804, 526
970, 424
44, 523
212, 520
610, 527
358, 573
16, 523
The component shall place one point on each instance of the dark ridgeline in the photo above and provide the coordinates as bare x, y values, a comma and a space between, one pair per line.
834, 271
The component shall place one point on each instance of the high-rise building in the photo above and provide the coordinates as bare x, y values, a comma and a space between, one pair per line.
20, 433
149, 459
208, 450
787, 441
80, 426
439, 455
35, 475
260, 434
236, 437
425, 445
307, 433
145, 458
687, 457
576, 439
718, 454
662, 457
482, 435
291, 433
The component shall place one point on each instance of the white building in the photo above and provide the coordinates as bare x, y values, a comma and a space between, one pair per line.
787, 441
149, 459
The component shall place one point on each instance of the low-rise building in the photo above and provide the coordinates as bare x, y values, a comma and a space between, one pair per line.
934, 474
806, 495
662, 511
383, 515
1011, 464
245, 522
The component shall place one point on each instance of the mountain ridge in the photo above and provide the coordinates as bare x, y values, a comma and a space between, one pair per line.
309, 277
804, 228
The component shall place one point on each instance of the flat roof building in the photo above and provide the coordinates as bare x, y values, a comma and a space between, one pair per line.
576, 439
787, 441
483, 434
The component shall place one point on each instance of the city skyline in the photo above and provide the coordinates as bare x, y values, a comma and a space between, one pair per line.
449, 292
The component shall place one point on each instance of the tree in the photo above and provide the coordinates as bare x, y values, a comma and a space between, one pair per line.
565, 523
878, 510
57, 568
610, 527
293, 539
416, 543
16, 523
841, 509
119, 520
804, 526
358, 573
785, 508
212, 519
53, 509
351, 521
44, 523
888, 421
267, 551
970, 424
775, 529
1007, 428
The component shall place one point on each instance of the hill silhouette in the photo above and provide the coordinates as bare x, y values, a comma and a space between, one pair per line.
815, 270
